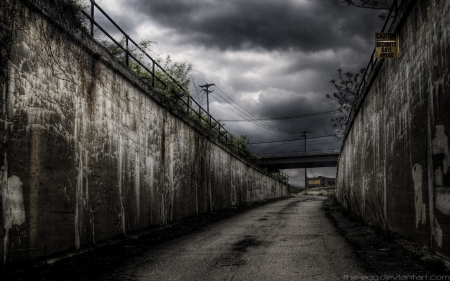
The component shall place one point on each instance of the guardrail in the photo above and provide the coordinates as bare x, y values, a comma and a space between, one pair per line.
184, 103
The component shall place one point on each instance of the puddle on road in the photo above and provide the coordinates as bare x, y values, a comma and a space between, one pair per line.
244, 244
234, 257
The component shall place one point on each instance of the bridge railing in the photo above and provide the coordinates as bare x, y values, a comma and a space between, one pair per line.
179, 99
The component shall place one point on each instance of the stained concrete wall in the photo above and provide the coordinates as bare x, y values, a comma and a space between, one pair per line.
394, 166
89, 153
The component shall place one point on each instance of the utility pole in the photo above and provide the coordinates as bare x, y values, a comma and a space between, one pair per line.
304, 134
207, 91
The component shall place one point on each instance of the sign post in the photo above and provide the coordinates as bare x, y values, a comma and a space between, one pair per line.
387, 45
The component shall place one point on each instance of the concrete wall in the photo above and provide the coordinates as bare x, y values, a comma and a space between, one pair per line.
88, 152
394, 166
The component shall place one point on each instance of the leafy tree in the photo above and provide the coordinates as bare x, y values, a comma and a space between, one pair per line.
346, 93
179, 71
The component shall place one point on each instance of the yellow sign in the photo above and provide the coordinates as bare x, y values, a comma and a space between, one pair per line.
314, 182
387, 45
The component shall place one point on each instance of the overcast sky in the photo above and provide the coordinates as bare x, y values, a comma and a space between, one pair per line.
273, 58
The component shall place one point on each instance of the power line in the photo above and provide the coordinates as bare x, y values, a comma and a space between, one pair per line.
295, 144
245, 116
202, 98
258, 123
291, 140
251, 116
227, 106
288, 117
196, 89
271, 128
283, 145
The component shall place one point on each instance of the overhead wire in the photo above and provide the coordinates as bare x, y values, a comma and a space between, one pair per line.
292, 139
261, 124
289, 150
275, 147
247, 113
251, 117
226, 106
315, 143
196, 88
288, 146
287, 117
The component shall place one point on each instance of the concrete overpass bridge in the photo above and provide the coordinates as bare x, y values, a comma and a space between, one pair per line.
289, 161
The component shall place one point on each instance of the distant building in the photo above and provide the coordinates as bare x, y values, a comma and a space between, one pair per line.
321, 181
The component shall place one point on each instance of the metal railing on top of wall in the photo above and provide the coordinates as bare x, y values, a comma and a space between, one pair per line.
183, 103
373, 63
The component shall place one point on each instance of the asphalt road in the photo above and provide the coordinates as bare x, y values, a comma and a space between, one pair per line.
287, 240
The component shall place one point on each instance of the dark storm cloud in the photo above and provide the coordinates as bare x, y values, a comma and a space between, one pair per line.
274, 58
308, 26
279, 104
285, 104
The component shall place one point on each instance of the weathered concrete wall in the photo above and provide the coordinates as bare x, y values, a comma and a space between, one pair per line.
89, 154
394, 165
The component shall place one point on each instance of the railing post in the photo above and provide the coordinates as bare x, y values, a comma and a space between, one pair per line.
153, 73
188, 104
126, 48
92, 17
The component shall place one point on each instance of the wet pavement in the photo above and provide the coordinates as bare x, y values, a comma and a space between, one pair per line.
298, 238
286, 240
